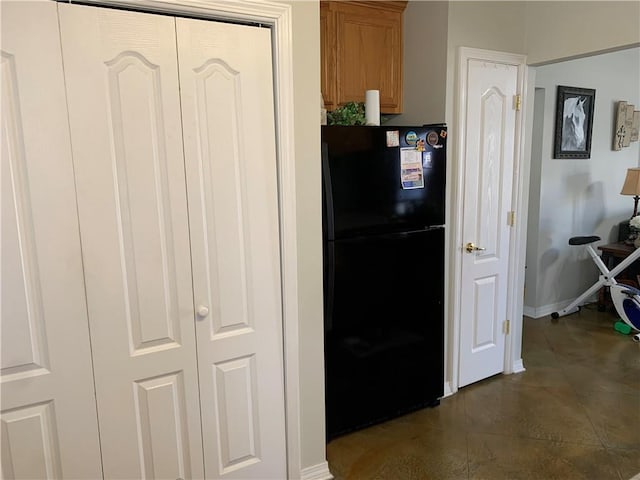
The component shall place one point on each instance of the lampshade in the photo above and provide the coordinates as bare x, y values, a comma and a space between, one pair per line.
632, 182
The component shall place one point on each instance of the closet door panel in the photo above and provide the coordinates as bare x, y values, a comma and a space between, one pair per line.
229, 141
122, 85
48, 419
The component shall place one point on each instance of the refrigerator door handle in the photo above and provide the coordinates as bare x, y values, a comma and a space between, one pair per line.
328, 192
393, 235
330, 278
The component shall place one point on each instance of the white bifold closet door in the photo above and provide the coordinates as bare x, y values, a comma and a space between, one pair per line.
183, 296
49, 426
229, 141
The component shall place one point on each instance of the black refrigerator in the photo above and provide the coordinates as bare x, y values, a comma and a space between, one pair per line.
383, 255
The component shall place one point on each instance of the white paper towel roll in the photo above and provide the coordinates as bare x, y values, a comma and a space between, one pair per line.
372, 107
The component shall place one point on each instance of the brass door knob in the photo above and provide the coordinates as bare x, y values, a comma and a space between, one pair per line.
470, 247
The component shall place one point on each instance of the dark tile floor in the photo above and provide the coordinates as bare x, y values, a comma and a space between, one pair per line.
574, 414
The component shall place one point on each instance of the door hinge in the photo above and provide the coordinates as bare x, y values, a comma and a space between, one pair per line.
517, 102
506, 327
511, 218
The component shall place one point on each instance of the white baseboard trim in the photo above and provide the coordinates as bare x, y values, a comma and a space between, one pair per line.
448, 391
316, 472
549, 309
518, 366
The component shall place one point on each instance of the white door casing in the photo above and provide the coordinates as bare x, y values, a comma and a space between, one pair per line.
124, 106
235, 242
49, 426
229, 141
489, 155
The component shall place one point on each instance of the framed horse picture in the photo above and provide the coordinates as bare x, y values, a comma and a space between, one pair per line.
574, 122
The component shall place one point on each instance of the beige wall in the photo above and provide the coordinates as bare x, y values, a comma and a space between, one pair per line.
306, 63
425, 63
487, 25
491, 25
560, 30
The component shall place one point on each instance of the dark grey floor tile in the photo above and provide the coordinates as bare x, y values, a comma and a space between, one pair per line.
587, 378
421, 455
494, 457
615, 417
549, 413
627, 462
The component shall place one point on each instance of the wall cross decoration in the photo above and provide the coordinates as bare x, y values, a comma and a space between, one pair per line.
627, 125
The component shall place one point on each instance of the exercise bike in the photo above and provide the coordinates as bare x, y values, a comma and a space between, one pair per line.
626, 299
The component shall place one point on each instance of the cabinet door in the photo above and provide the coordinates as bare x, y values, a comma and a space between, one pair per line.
122, 85
49, 426
328, 55
229, 141
369, 55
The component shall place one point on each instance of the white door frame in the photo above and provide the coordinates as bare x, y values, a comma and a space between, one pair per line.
279, 17
519, 202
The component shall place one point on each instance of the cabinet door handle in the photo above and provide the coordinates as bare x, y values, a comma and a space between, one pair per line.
202, 311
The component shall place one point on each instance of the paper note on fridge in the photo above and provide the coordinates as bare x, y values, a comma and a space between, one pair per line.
411, 168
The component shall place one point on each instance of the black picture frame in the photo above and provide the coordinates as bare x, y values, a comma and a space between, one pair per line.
574, 122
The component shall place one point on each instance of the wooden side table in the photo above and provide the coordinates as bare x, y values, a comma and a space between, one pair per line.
612, 254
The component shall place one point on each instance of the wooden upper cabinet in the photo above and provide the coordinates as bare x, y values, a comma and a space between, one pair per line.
328, 55
361, 49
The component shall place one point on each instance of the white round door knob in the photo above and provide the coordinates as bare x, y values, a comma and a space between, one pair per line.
203, 311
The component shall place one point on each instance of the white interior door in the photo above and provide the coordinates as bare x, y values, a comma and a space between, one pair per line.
122, 85
229, 141
49, 425
488, 179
